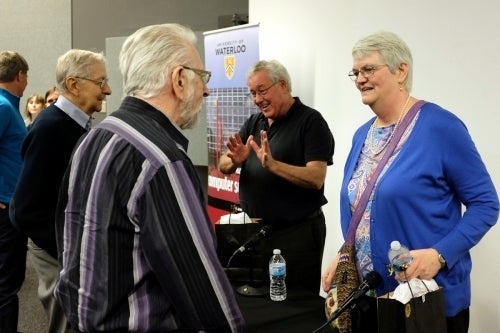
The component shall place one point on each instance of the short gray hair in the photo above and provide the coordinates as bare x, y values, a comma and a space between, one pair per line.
150, 54
11, 63
75, 63
274, 69
391, 48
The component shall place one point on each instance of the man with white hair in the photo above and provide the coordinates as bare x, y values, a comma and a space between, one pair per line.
137, 248
82, 82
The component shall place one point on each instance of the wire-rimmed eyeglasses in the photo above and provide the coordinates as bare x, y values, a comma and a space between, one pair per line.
366, 71
204, 75
100, 83
261, 92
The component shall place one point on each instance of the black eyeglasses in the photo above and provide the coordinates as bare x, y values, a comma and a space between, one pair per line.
366, 71
204, 75
100, 83
261, 92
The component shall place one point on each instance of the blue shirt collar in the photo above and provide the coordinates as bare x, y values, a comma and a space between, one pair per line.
72, 110
10, 97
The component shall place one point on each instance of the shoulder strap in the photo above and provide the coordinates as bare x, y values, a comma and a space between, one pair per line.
363, 201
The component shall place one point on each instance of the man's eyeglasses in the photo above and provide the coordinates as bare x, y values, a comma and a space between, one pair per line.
366, 72
261, 92
100, 83
204, 75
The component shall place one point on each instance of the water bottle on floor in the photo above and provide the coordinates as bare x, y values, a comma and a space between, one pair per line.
399, 256
277, 275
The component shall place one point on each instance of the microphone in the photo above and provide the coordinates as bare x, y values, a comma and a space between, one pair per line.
371, 281
230, 239
263, 232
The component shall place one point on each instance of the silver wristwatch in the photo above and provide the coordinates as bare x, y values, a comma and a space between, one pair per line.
441, 259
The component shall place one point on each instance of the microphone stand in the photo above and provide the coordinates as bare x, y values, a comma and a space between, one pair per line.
372, 280
252, 288
334, 316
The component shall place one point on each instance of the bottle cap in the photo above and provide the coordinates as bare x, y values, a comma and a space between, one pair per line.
276, 251
395, 245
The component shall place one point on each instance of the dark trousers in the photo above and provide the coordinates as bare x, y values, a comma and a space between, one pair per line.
12, 270
458, 323
302, 247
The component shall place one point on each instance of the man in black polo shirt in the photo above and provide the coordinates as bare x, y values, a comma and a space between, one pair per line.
283, 153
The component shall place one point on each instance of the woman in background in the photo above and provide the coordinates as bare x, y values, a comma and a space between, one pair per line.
51, 96
34, 105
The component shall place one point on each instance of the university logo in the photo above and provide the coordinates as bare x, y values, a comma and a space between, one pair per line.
229, 65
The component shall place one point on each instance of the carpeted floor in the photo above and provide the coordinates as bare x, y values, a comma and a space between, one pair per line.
32, 317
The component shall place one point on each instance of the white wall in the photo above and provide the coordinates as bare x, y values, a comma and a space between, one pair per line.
40, 31
455, 48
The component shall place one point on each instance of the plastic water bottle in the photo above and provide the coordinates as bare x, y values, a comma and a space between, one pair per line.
399, 256
277, 275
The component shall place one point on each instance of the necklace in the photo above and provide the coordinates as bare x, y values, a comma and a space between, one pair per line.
371, 136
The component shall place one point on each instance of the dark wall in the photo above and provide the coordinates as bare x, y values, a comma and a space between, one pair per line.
95, 20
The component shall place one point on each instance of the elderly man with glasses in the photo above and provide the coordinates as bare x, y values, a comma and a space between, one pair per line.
82, 84
137, 248
283, 153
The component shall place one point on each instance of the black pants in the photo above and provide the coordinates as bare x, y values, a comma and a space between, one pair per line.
12, 270
458, 323
302, 247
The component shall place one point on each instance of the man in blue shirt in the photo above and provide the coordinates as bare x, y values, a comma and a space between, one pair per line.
13, 81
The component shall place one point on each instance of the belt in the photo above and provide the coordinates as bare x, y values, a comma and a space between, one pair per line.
318, 212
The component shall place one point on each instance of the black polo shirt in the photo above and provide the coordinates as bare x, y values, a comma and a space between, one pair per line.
302, 135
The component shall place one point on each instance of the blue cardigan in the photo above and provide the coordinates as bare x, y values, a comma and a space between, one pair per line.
418, 201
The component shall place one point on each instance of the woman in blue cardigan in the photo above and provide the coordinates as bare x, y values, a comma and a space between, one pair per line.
418, 197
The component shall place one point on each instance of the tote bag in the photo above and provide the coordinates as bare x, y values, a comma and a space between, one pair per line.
423, 314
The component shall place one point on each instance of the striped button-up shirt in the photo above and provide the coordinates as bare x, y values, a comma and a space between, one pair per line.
136, 246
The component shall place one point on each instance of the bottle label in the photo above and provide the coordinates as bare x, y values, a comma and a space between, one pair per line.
277, 269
